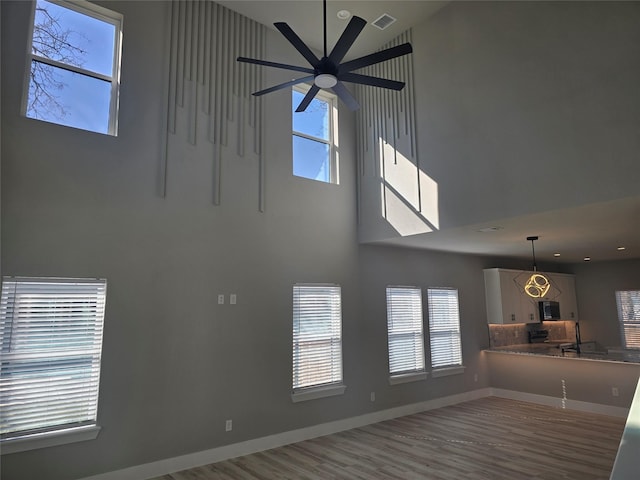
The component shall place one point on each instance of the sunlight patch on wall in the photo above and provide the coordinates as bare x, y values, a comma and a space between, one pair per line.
409, 197
389, 166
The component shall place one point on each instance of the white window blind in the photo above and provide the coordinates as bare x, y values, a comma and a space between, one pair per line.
629, 315
317, 335
51, 342
404, 330
444, 327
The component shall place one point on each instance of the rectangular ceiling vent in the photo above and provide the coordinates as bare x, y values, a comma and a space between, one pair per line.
383, 21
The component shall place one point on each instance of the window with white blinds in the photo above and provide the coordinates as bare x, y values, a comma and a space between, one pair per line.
404, 330
444, 327
317, 335
51, 343
629, 315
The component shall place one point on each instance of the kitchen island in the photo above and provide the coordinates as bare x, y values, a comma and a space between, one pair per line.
587, 351
587, 381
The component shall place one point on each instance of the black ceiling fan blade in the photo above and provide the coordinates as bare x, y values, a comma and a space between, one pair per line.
275, 64
307, 98
373, 81
297, 42
284, 85
355, 26
377, 57
345, 95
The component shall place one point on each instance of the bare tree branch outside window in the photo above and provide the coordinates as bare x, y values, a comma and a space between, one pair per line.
53, 41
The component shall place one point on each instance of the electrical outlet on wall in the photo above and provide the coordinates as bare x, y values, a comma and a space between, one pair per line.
373, 396
614, 391
228, 425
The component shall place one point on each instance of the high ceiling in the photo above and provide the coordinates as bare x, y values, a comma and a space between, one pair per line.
305, 17
595, 231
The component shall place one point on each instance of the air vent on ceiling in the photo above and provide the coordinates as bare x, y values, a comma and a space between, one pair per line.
383, 21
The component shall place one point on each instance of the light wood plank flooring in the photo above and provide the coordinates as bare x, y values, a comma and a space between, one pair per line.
490, 438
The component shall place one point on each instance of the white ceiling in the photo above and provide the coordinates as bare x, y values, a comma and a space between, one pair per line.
305, 17
595, 230
591, 230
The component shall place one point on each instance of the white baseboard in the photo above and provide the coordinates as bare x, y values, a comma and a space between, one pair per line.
558, 402
183, 462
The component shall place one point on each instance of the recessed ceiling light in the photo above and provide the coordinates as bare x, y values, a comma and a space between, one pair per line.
556, 254
344, 14
587, 259
621, 248
489, 229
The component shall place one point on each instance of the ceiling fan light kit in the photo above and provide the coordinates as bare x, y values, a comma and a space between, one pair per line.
327, 72
325, 80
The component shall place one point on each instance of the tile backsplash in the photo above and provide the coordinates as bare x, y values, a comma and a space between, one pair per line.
503, 335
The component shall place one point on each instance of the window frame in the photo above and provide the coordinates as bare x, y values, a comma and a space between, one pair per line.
395, 295
22, 322
625, 322
455, 364
98, 12
334, 384
332, 142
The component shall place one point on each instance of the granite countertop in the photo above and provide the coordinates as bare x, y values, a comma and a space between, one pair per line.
588, 351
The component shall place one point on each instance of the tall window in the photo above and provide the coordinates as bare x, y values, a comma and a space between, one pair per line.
444, 327
404, 330
629, 316
315, 137
74, 65
317, 336
51, 343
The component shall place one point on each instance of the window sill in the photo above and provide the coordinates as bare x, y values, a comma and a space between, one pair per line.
446, 371
49, 439
313, 393
407, 377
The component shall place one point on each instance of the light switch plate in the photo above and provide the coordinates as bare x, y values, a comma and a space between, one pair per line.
233, 299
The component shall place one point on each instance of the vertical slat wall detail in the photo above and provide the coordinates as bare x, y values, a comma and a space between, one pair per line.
386, 117
205, 80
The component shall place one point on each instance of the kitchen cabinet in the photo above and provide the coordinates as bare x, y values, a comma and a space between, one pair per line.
565, 294
508, 304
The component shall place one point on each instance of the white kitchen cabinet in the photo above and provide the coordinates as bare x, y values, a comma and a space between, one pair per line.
507, 303
565, 294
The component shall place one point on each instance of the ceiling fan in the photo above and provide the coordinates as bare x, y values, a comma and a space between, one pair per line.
328, 72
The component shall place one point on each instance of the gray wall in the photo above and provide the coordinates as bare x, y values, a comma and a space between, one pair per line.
596, 285
175, 364
384, 266
529, 96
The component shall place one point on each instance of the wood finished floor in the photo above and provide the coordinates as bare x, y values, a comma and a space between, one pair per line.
489, 438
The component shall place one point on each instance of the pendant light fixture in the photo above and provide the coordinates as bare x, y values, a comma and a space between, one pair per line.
538, 285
